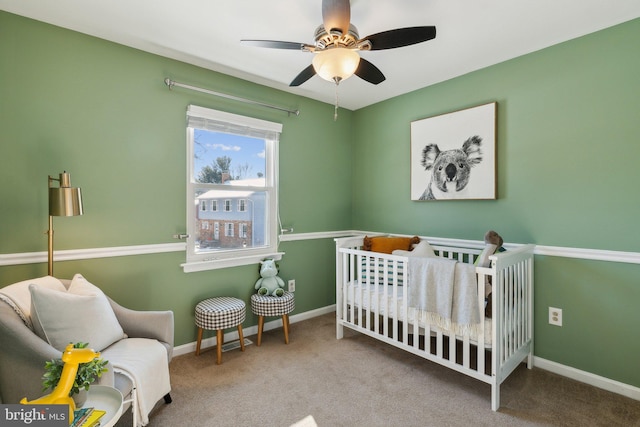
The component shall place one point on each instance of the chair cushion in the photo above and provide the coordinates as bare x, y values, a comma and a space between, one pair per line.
81, 314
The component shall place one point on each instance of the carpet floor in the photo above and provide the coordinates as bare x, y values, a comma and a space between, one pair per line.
358, 381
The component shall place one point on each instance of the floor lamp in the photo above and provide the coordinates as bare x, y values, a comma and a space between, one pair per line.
64, 200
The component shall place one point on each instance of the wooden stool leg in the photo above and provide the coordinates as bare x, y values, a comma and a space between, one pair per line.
260, 325
241, 337
199, 342
285, 326
219, 346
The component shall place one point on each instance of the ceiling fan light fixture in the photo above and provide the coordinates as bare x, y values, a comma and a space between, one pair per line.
336, 64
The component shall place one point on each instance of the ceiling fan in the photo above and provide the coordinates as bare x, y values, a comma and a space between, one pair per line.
337, 44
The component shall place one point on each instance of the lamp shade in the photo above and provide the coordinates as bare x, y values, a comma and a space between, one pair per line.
64, 200
336, 64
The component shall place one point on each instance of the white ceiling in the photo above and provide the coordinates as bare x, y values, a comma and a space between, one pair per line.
471, 34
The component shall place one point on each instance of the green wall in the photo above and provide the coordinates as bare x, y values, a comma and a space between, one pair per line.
567, 151
568, 135
102, 112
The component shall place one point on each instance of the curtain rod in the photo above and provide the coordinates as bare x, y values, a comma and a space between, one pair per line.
172, 83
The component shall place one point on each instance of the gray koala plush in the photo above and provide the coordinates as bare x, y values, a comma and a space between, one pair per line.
451, 169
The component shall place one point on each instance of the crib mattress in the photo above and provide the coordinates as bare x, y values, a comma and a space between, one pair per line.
358, 296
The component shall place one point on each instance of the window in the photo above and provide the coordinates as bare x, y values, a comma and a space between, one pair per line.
232, 163
243, 231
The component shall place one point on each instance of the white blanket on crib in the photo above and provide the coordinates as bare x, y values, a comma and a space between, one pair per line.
446, 290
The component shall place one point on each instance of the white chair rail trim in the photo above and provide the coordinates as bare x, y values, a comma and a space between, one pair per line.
91, 253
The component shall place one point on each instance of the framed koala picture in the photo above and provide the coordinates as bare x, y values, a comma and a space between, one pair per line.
453, 155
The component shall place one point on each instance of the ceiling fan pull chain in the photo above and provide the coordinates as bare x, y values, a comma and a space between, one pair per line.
335, 111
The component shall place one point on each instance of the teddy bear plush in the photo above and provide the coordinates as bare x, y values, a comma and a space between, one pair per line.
493, 244
269, 283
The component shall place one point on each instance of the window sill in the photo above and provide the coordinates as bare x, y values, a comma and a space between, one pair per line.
216, 263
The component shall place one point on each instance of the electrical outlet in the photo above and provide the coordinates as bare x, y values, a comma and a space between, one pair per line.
292, 285
555, 316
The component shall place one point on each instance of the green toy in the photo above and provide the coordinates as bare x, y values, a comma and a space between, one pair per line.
269, 283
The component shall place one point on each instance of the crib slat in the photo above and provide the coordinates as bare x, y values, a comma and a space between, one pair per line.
404, 312
416, 332
439, 344
387, 308
466, 351
518, 303
355, 291
371, 290
453, 353
395, 323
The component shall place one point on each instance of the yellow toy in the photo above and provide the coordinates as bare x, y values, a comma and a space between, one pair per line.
72, 358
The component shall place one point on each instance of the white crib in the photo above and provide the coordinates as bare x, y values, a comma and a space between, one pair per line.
370, 299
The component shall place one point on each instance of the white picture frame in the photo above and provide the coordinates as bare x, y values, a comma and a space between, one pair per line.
453, 155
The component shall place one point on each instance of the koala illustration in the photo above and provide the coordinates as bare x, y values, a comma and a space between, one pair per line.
451, 169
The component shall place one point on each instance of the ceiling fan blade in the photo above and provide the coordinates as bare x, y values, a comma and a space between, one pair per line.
336, 15
275, 44
369, 72
304, 75
400, 37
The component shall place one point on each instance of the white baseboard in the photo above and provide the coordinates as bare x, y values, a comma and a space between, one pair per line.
253, 330
588, 378
557, 368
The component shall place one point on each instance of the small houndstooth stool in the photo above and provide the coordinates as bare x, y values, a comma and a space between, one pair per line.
266, 305
218, 314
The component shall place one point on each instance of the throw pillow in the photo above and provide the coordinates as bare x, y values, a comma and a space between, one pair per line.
81, 286
422, 249
19, 293
61, 318
387, 244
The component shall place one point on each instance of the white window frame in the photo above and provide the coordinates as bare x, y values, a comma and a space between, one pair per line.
228, 206
246, 256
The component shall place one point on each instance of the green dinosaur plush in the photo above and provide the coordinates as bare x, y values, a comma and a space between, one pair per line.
269, 283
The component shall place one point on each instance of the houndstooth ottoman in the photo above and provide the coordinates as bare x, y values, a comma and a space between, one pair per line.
267, 305
218, 314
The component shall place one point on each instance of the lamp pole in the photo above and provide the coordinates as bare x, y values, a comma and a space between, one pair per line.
50, 246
